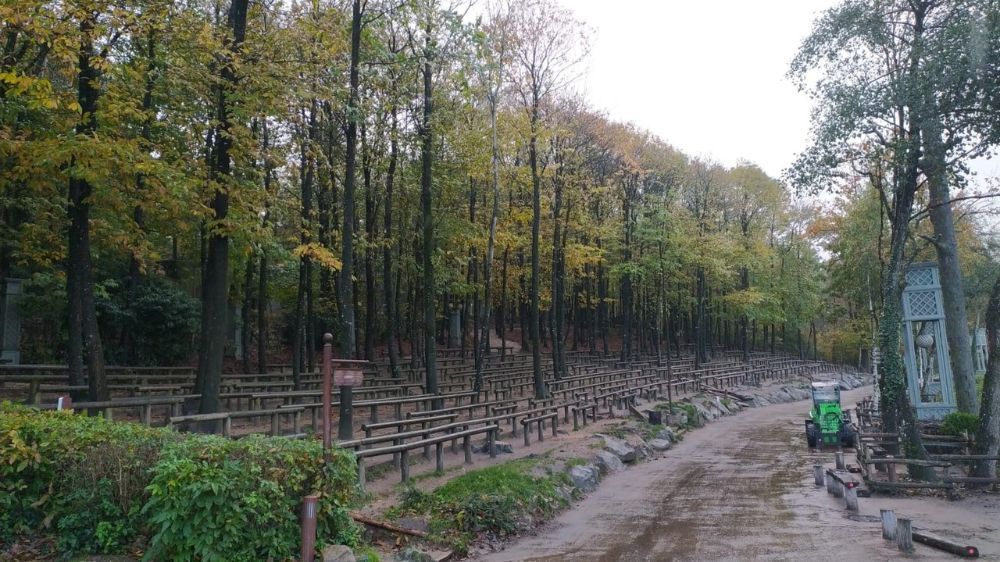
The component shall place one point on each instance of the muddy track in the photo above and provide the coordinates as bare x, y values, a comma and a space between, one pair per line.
740, 488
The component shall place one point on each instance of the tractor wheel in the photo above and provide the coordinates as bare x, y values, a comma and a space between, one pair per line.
811, 434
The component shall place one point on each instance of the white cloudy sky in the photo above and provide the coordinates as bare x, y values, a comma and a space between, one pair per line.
708, 76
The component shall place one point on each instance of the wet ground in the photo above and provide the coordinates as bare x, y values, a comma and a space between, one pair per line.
742, 489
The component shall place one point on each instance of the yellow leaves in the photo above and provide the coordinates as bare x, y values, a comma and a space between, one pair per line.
319, 254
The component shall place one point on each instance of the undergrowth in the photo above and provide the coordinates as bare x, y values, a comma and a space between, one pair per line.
493, 502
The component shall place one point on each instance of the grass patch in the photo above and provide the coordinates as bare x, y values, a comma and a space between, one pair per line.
497, 501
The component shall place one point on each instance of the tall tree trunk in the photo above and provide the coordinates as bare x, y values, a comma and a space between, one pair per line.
534, 324
371, 221
215, 285
484, 339
952, 289
427, 219
347, 311
85, 339
245, 314
387, 249
988, 436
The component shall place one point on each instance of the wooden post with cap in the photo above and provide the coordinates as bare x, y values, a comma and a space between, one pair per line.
327, 386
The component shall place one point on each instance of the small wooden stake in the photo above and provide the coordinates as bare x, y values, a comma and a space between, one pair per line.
904, 535
888, 524
851, 498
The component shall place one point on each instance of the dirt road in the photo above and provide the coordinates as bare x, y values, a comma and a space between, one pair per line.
741, 489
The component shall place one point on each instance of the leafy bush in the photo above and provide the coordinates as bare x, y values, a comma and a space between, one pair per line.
957, 423
102, 486
53, 464
221, 499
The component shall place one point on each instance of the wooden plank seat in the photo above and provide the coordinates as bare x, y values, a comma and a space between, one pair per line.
539, 421
403, 450
227, 419
144, 404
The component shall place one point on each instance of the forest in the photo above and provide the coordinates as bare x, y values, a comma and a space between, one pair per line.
220, 183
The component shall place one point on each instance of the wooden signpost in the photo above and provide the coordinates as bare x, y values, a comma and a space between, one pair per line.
345, 374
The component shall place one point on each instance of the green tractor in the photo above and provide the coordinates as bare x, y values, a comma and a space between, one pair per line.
828, 424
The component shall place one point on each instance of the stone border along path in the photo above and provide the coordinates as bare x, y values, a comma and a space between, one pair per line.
615, 454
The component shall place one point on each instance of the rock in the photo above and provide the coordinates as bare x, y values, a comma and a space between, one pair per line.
619, 448
704, 412
565, 493
679, 419
642, 451
608, 463
584, 477
659, 444
414, 523
722, 407
666, 434
338, 553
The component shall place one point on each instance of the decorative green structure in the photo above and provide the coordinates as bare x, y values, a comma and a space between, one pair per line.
827, 424
925, 344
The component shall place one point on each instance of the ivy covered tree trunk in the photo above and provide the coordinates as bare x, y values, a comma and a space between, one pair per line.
988, 436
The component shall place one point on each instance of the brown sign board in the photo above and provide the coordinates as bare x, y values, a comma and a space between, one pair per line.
348, 377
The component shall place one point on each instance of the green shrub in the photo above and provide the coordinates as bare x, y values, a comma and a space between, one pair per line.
957, 423
499, 501
101, 486
52, 462
222, 499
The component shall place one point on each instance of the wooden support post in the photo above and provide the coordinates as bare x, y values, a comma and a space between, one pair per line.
891, 469
904, 535
839, 460
361, 474
527, 435
818, 474
404, 466
467, 447
439, 456
541, 430
492, 442
275, 424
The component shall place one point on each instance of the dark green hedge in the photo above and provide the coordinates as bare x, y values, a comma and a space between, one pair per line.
110, 487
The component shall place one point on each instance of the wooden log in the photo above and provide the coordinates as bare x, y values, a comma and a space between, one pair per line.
387, 526
888, 524
904, 535
941, 543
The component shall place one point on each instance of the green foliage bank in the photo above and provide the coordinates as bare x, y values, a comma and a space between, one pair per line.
108, 488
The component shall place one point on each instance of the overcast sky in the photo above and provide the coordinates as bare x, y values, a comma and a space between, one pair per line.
707, 76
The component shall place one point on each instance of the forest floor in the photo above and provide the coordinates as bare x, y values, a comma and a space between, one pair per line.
742, 488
